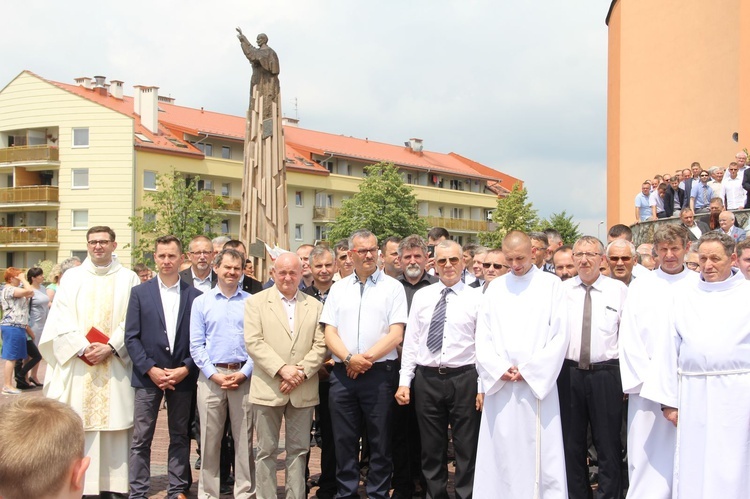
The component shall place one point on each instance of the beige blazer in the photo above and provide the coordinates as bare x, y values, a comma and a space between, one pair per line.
270, 344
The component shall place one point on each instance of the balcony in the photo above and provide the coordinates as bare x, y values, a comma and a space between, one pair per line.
32, 157
459, 224
230, 204
30, 195
322, 214
28, 236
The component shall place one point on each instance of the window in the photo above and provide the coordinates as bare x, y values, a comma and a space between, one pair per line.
457, 213
225, 226
199, 146
298, 232
80, 137
226, 189
149, 180
226, 152
81, 254
81, 178
208, 150
149, 217
206, 185
321, 232
80, 219
298, 198
457, 185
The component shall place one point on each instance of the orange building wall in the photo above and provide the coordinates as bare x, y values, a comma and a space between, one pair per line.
674, 91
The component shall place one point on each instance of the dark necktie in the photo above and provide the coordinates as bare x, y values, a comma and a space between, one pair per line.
437, 324
584, 360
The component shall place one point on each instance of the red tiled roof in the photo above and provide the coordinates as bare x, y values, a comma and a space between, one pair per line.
301, 144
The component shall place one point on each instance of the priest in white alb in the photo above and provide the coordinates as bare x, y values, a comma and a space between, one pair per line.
701, 376
94, 294
645, 319
521, 341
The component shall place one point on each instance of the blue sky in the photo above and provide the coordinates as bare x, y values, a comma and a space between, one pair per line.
518, 86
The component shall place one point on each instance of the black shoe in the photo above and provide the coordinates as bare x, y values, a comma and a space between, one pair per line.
21, 384
225, 489
198, 463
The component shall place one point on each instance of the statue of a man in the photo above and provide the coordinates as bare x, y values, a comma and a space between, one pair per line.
265, 64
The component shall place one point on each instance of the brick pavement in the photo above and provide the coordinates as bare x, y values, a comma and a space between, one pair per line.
160, 444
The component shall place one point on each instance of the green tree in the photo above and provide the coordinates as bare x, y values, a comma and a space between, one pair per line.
177, 207
513, 212
384, 205
563, 223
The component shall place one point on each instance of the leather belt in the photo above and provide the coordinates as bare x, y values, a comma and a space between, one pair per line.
595, 366
442, 370
232, 365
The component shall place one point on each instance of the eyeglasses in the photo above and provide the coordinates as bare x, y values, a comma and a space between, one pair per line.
200, 253
363, 252
496, 266
704, 174
442, 261
691, 265
585, 254
99, 242
623, 259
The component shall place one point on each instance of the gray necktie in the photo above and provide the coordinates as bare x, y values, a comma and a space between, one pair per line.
584, 360
437, 324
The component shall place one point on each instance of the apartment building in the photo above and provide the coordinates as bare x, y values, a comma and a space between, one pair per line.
74, 155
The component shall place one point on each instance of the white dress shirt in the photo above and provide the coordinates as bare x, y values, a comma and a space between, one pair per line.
289, 306
170, 302
458, 334
364, 316
607, 299
736, 195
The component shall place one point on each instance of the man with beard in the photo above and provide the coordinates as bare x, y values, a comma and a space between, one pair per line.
563, 262
412, 255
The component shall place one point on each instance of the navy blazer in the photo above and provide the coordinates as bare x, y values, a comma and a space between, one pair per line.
146, 334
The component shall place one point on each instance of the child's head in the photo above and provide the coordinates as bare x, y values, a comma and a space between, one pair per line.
41, 450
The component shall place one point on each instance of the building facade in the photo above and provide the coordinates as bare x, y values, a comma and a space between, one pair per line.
82, 154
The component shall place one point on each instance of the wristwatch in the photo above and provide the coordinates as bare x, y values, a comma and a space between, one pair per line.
347, 359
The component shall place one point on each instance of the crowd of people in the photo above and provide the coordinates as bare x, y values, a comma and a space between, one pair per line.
520, 364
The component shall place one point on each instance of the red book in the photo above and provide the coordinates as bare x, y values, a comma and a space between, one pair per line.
94, 336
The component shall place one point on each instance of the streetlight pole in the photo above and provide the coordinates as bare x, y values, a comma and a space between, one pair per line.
599, 230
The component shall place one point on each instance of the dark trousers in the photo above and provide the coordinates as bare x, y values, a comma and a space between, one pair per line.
147, 401
406, 449
366, 398
21, 369
440, 400
592, 397
327, 480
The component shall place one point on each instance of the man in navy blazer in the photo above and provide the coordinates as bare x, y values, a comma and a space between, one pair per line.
157, 337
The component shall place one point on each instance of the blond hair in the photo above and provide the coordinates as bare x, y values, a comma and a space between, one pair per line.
41, 439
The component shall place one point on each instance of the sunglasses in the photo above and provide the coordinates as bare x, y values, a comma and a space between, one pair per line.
442, 261
496, 266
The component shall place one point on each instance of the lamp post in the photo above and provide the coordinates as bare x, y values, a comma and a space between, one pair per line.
599, 230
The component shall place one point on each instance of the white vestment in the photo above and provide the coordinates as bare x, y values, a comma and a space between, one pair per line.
93, 296
651, 438
703, 369
521, 322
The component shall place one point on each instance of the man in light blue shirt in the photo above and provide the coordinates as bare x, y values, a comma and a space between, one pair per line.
642, 203
701, 194
217, 345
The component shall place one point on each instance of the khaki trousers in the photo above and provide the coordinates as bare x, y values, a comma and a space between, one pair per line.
213, 403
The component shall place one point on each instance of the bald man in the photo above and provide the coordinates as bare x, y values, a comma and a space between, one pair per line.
520, 447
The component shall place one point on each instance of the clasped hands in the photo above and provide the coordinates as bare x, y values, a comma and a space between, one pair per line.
96, 353
291, 377
359, 364
167, 379
512, 374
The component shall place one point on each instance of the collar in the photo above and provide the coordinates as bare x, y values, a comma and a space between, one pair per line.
457, 288
207, 278
425, 277
374, 277
164, 286
217, 291
597, 285
285, 299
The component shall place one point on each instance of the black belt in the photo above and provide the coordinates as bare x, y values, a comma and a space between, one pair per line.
446, 370
385, 364
594, 366
231, 365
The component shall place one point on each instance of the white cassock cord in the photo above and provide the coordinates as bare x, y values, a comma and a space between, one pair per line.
680, 374
537, 476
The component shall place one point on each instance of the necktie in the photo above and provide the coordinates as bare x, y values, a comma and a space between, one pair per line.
437, 324
584, 360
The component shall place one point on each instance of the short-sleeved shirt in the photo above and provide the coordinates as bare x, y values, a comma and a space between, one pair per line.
15, 310
644, 206
364, 311
702, 194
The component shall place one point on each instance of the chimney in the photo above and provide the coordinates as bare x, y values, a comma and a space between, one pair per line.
100, 86
166, 100
147, 106
84, 81
415, 145
293, 122
115, 88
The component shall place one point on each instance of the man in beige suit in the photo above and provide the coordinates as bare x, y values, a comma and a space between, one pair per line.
285, 340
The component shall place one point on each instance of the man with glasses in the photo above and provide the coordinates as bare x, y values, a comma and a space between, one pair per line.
521, 339
364, 319
650, 437
701, 194
93, 376
439, 357
735, 193
477, 267
589, 383
494, 267
344, 263
201, 254
621, 257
